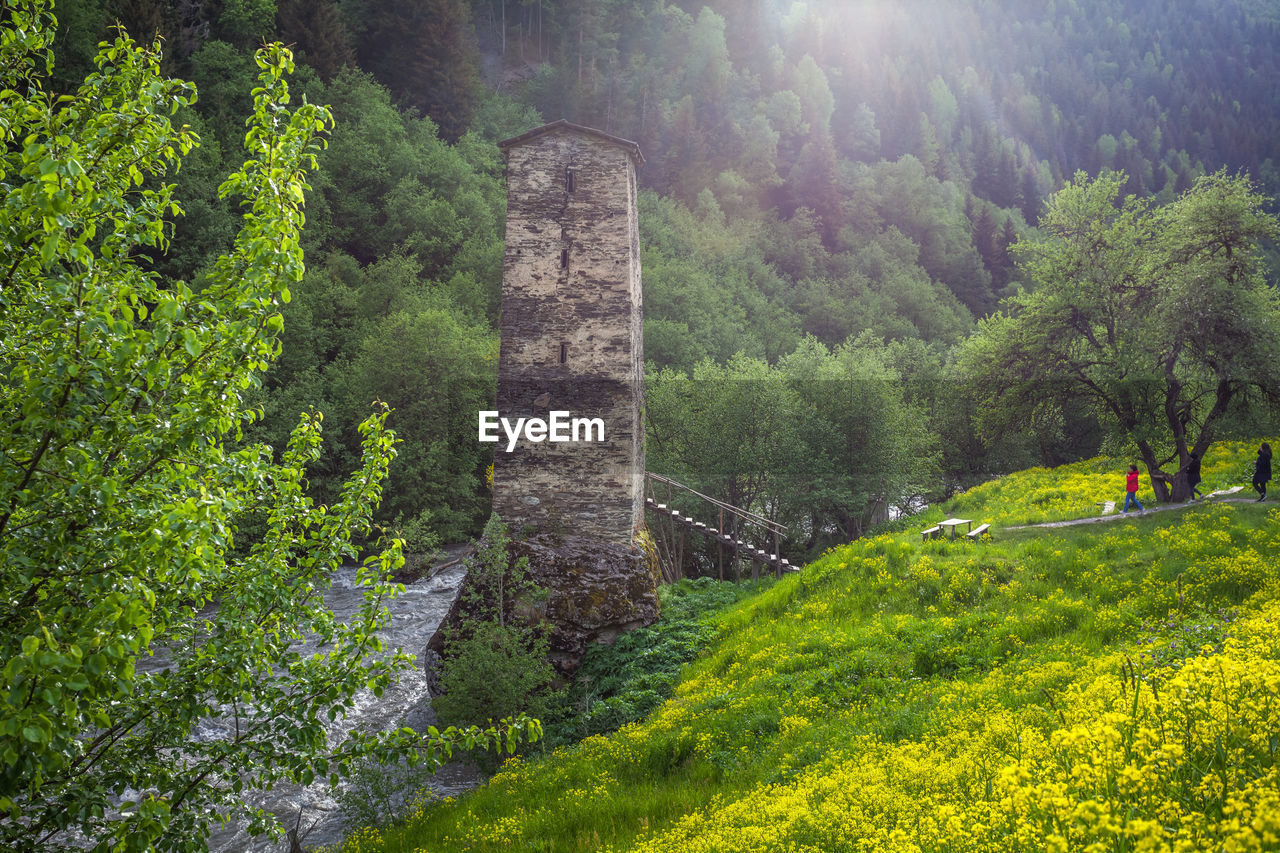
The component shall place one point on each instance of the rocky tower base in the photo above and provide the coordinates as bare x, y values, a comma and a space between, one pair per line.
596, 590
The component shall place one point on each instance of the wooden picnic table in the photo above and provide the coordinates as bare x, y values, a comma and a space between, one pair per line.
953, 523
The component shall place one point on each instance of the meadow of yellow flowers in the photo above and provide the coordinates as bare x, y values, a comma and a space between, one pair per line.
1109, 687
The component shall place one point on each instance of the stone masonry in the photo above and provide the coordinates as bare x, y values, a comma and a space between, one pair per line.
571, 333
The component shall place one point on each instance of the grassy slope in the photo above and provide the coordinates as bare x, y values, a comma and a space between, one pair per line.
1112, 685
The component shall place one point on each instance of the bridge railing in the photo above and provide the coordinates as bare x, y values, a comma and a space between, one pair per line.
773, 531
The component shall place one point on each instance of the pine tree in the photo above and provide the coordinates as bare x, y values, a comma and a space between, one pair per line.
1030, 201
927, 149
320, 37
984, 238
1004, 258
424, 51
813, 184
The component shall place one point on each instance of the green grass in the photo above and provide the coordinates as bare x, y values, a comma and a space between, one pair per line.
1018, 693
1074, 491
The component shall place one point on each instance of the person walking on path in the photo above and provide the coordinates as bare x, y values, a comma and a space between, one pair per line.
1193, 476
1131, 489
1262, 470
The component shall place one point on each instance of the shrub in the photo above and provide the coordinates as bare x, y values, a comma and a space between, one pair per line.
495, 665
494, 671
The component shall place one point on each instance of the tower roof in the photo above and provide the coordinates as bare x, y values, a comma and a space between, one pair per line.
569, 127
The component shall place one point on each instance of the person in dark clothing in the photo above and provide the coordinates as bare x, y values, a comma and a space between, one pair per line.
1262, 470
1193, 475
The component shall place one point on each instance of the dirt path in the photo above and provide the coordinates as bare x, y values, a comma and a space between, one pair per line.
1118, 515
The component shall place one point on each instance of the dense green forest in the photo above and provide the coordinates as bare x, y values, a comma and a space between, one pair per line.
830, 194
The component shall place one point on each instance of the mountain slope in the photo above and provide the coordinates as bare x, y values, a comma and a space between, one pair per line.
1113, 685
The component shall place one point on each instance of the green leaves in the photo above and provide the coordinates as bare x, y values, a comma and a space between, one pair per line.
494, 663
1156, 319
823, 440
133, 611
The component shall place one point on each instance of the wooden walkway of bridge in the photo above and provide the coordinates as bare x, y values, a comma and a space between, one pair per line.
726, 540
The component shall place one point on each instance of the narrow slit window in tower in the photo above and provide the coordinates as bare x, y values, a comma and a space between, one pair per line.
564, 353
569, 179
564, 259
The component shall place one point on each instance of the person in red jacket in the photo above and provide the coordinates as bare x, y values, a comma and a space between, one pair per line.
1131, 489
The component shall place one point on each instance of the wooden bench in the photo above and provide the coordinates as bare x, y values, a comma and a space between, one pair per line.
931, 532
977, 532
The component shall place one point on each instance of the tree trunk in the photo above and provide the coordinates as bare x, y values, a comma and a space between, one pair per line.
1180, 490
1159, 479
1160, 485
1168, 487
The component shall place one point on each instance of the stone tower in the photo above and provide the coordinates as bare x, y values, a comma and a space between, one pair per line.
571, 335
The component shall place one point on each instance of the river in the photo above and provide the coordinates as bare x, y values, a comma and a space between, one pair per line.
415, 615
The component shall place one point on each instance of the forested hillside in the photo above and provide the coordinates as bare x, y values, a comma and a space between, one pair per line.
830, 196
1111, 686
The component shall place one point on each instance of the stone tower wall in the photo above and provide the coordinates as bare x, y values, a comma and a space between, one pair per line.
571, 333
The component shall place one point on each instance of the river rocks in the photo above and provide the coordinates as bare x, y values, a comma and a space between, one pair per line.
595, 590
431, 666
